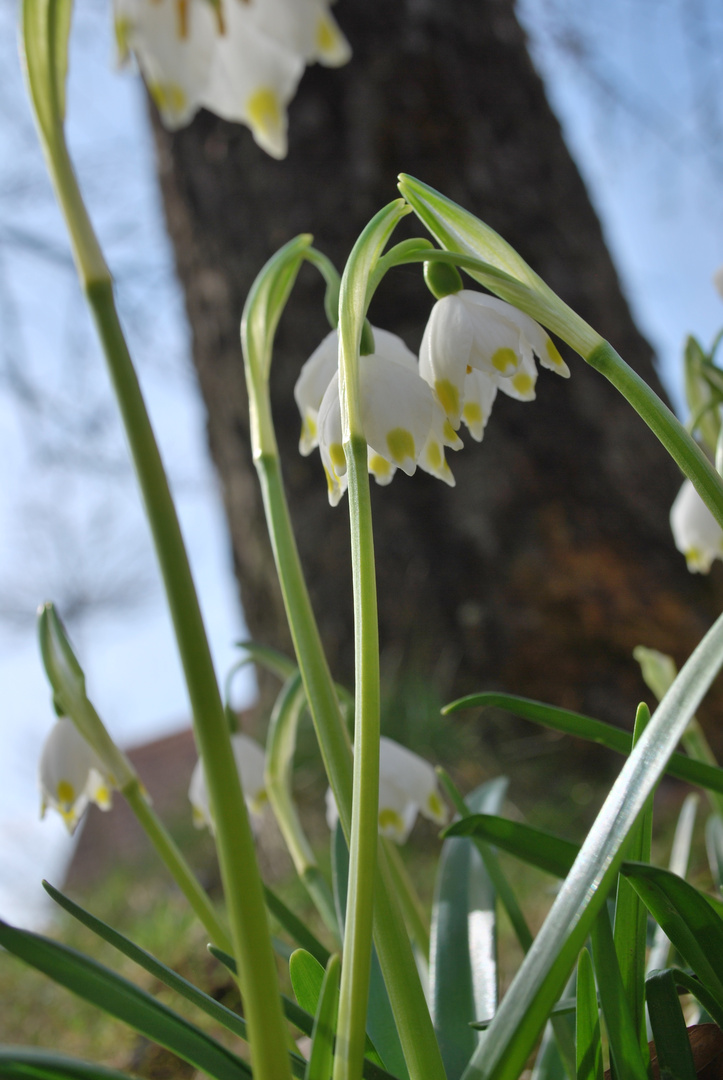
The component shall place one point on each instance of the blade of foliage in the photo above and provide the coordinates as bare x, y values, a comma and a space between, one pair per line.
269, 659
541, 977
381, 1028
555, 1059
296, 929
538, 848
160, 971
631, 915
678, 864
26, 1062
588, 1043
714, 848
121, 999
687, 918
322, 1045
693, 986
623, 1032
463, 946
505, 892
549, 1063
585, 727
297, 1016
672, 1045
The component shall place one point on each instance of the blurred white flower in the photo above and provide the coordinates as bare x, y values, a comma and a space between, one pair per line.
71, 775
403, 423
696, 532
250, 762
242, 59
475, 344
407, 787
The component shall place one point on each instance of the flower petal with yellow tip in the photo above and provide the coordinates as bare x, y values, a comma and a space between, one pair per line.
71, 775
696, 532
250, 762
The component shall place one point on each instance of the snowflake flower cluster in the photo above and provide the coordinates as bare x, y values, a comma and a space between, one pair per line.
241, 59
473, 346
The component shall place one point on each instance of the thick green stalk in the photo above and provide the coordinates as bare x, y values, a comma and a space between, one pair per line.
680, 445
354, 992
172, 856
411, 1013
234, 839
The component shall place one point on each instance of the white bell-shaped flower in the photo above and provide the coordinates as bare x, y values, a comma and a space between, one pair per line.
173, 42
472, 334
71, 775
407, 787
696, 532
250, 762
403, 423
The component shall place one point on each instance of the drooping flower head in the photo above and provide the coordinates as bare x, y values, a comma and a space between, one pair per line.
242, 59
407, 787
696, 532
403, 423
250, 762
71, 775
475, 344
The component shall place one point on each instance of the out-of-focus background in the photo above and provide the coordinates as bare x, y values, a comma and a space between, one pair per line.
636, 89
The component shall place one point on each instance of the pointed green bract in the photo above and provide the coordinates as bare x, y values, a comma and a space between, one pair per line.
509, 276
46, 27
622, 1030
675, 1058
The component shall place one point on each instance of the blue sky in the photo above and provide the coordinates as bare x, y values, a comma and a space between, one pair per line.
71, 527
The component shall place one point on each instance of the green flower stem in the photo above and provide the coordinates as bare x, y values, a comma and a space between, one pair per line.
415, 916
661, 421
354, 992
171, 855
411, 1013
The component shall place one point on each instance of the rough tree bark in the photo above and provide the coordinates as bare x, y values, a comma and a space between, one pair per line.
552, 558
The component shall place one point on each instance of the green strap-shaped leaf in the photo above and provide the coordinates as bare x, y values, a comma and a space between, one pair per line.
585, 727
714, 847
687, 918
538, 848
675, 1058
623, 1033
463, 947
121, 999
322, 1043
293, 925
588, 1044
631, 915
26, 1062
693, 986
164, 974
381, 1027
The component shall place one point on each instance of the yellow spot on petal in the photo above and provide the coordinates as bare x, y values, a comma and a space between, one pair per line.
102, 797
336, 453
401, 445
552, 353
472, 413
436, 806
122, 31
264, 112
379, 466
448, 395
434, 455
169, 97
331, 486
504, 359
326, 35
65, 792
450, 434
390, 819
522, 382
310, 423
469, 369
199, 819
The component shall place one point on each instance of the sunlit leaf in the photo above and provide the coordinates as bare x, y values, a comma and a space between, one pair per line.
588, 1043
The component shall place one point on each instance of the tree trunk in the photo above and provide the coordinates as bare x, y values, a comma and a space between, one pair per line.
552, 558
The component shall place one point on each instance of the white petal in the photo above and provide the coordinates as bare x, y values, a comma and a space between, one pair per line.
330, 444
444, 354
314, 378
250, 762
173, 41
480, 391
396, 410
441, 434
412, 774
71, 774
252, 79
542, 344
302, 26
696, 532
397, 812
521, 385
